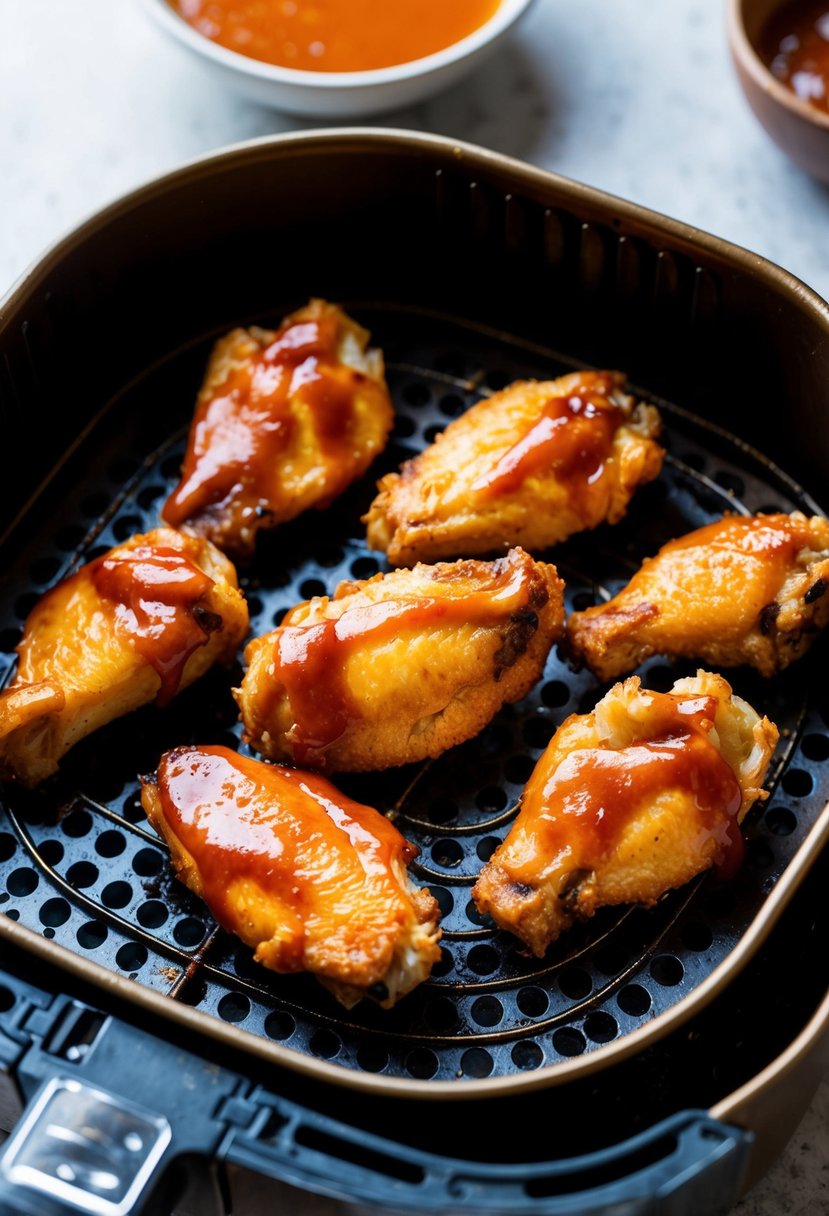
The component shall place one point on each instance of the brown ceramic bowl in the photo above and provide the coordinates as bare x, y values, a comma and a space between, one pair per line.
797, 127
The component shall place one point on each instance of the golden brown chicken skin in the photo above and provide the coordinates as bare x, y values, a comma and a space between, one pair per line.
134, 626
309, 879
742, 590
528, 466
402, 666
626, 803
285, 420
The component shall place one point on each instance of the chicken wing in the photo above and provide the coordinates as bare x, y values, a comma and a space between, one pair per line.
528, 466
626, 803
401, 666
285, 420
308, 878
742, 590
133, 626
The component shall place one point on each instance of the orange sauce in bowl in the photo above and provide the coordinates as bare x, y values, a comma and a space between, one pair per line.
795, 46
335, 35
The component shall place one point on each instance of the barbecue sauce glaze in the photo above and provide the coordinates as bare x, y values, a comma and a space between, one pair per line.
155, 594
755, 552
585, 802
572, 439
245, 424
322, 858
309, 660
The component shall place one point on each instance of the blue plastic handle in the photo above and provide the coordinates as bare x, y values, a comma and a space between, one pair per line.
144, 1102
687, 1165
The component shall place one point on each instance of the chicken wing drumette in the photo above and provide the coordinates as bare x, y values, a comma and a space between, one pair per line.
626, 803
402, 666
309, 879
743, 590
133, 626
285, 420
528, 466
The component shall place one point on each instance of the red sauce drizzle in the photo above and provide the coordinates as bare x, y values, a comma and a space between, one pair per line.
293, 833
588, 799
155, 590
572, 438
309, 660
795, 45
245, 424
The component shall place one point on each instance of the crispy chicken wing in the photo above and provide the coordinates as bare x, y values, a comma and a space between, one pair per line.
401, 666
528, 466
308, 878
627, 802
134, 626
743, 590
285, 420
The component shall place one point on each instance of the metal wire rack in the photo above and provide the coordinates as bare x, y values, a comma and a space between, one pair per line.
79, 864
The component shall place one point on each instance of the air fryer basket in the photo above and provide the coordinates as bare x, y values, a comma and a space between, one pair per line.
96, 878
470, 271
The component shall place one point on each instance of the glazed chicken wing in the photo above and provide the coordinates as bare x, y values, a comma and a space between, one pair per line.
402, 666
626, 803
134, 626
308, 878
285, 420
528, 466
743, 590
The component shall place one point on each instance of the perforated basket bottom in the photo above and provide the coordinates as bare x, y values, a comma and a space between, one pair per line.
79, 864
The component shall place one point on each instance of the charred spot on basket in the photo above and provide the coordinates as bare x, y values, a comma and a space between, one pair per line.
816, 590
522, 626
768, 616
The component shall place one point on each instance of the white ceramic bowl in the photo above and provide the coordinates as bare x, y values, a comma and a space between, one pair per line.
341, 94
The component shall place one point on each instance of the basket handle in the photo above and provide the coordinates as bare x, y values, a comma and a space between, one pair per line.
111, 1105
80, 1149
108, 1108
683, 1166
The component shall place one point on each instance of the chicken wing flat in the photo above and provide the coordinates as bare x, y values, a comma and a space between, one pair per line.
626, 803
401, 666
747, 589
285, 420
133, 626
308, 878
528, 466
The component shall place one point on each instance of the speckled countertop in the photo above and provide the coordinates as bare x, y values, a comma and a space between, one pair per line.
635, 97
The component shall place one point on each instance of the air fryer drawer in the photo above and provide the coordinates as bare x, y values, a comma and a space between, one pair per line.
471, 271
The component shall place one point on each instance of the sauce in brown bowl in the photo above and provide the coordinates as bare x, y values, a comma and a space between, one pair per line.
795, 46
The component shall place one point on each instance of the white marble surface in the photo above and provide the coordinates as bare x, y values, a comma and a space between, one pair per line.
630, 95
635, 97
